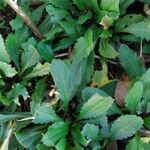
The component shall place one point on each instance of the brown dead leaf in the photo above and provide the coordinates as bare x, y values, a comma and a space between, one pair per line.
112, 146
122, 90
125, 78
106, 22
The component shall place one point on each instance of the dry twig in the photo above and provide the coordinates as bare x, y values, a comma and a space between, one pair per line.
25, 18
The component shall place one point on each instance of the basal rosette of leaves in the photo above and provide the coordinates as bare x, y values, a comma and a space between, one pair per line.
62, 91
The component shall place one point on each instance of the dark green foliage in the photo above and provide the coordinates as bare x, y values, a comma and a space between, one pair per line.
60, 92
130, 62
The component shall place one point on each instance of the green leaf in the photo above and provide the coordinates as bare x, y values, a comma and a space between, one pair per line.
111, 5
38, 70
114, 109
56, 13
146, 146
2, 83
16, 23
134, 96
22, 35
13, 49
84, 46
109, 12
4, 57
140, 29
3, 3
6, 131
68, 26
29, 58
7, 69
5, 100
82, 19
95, 106
94, 5
42, 147
99, 79
145, 76
50, 35
45, 114
45, 25
21, 124
67, 78
38, 96
97, 147
128, 20
91, 132
130, 62
7, 117
105, 132
30, 41
61, 4
146, 48
110, 88
88, 69
147, 122
145, 103
124, 4
45, 52
125, 126
55, 133
62, 144
129, 38
37, 14
135, 144
18, 90
88, 92
145, 1
106, 49
30, 137
78, 137
80, 4
64, 43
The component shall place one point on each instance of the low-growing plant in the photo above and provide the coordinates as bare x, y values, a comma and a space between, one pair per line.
96, 96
